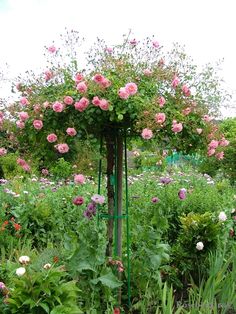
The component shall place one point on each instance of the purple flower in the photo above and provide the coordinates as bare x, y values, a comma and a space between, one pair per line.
87, 214
182, 193
165, 180
2, 285
91, 207
155, 200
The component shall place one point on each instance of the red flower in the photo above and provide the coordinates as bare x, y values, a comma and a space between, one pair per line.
17, 226
55, 259
116, 310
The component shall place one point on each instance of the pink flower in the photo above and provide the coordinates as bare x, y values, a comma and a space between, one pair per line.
220, 155
147, 134
24, 101
79, 178
147, 72
62, 148
23, 164
68, 100
175, 81
213, 144
161, 101
177, 127
48, 75
223, 142
109, 50
155, 200
155, 44
52, 138
71, 131
26, 167
57, 106
186, 111
133, 42
3, 151
104, 105
79, 77
45, 172
96, 101
52, 49
182, 193
38, 124
199, 130
131, 88
98, 78
211, 152
20, 124
207, 118
186, 90
98, 199
18, 86
123, 93
160, 117
82, 87
46, 105
105, 83
23, 116
78, 200
37, 108
82, 104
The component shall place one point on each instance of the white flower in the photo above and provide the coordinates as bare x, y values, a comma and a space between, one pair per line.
24, 259
199, 246
20, 271
47, 266
222, 216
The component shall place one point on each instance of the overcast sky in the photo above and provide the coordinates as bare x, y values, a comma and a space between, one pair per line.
205, 27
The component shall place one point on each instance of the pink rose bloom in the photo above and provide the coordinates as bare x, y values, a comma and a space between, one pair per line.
68, 100
133, 42
98, 78
82, 87
109, 50
23, 116
213, 144
62, 148
147, 134
23, 164
186, 111
38, 124
199, 131
48, 75
71, 131
207, 118
220, 155
177, 127
161, 101
3, 151
123, 93
26, 167
57, 106
175, 81
98, 199
105, 83
211, 152
24, 101
79, 178
96, 101
46, 105
147, 72
104, 105
79, 77
160, 117
155, 44
131, 88
223, 142
186, 90
37, 108
82, 104
52, 138
20, 124
52, 49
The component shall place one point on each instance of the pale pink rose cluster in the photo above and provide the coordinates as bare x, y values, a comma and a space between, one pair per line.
62, 148
207, 118
79, 77
52, 49
48, 75
186, 90
68, 100
175, 81
20, 124
186, 111
3, 151
82, 87
102, 103
176, 127
213, 145
24, 101
147, 72
52, 138
147, 134
23, 116
23, 164
38, 124
161, 101
82, 104
130, 89
71, 131
101, 80
58, 106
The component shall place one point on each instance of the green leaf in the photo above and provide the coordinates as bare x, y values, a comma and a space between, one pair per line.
109, 280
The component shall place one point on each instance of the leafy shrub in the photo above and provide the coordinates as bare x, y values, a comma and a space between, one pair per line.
61, 169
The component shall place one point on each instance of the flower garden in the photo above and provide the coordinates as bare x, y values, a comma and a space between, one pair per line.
95, 216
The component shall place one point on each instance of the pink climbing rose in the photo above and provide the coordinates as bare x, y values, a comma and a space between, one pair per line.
160, 117
82, 87
82, 104
176, 127
38, 124
131, 88
57, 106
71, 131
23, 116
68, 100
52, 138
62, 148
79, 178
147, 134
123, 94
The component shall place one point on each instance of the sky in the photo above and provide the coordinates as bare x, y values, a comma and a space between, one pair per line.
205, 27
